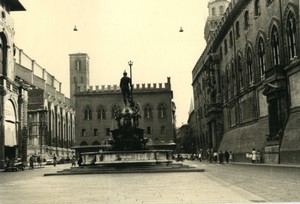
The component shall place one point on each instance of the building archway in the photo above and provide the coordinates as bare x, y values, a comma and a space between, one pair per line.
10, 129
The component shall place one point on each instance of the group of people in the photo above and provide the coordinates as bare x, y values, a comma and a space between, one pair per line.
34, 159
215, 157
255, 156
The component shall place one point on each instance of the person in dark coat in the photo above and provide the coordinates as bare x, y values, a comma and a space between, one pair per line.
31, 160
226, 154
221, 157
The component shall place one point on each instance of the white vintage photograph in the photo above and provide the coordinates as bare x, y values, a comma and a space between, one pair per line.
149, 102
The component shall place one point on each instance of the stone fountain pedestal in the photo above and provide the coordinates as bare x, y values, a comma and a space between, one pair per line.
117, 158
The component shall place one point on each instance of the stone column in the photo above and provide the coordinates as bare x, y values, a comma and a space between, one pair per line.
2, 94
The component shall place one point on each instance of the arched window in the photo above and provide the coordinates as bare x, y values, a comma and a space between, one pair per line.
88, 114
240, 71
230, 39
101, 115
213, 11
147, 111
163, 130
228, 84
275, 46
10, 125
261, 57
237, 29
221, 10
3, 55
246, 19
249, 66
78, 64
161, 111
291, 35
257, 8
233, 76
225, 46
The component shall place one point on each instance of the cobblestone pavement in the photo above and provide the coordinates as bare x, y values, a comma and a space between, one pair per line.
273, 183
32, 187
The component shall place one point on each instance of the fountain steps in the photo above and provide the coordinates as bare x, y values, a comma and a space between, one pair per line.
119, 169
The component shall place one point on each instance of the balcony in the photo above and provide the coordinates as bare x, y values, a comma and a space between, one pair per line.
212, 109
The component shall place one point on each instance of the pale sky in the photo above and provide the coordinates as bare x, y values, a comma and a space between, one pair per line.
113, 32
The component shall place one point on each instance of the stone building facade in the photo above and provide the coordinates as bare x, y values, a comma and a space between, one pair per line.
246, 81
51, 118
95, 109
13, 95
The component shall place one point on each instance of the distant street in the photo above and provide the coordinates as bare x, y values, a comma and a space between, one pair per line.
219, 183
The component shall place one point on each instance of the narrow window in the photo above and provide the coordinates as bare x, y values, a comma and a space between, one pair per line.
95, 132
101, 113
221, 10
230, 39
275, 46
83, 133
246, 19
88, 114
147, 111
161, 111
78, 64
163, 130
237, 29
261, 57
257, 8
233, 75
107, 131
225, 46
291, 35
249, 66
148, 130
240, 71
227, 92
213, 11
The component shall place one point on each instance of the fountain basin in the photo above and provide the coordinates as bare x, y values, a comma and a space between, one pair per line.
150, 157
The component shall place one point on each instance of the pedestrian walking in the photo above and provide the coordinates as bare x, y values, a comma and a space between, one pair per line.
39, 161
200, 157
73, 160
79, 162
31, 161
54, 160
215, 157
253, 156
258, 156
226, 154
230, 156
221, 157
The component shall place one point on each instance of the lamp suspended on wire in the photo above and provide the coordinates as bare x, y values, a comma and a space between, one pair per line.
180, 30
75, 29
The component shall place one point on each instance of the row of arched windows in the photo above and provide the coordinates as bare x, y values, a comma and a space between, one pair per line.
221, 11
101, 112
244, 72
